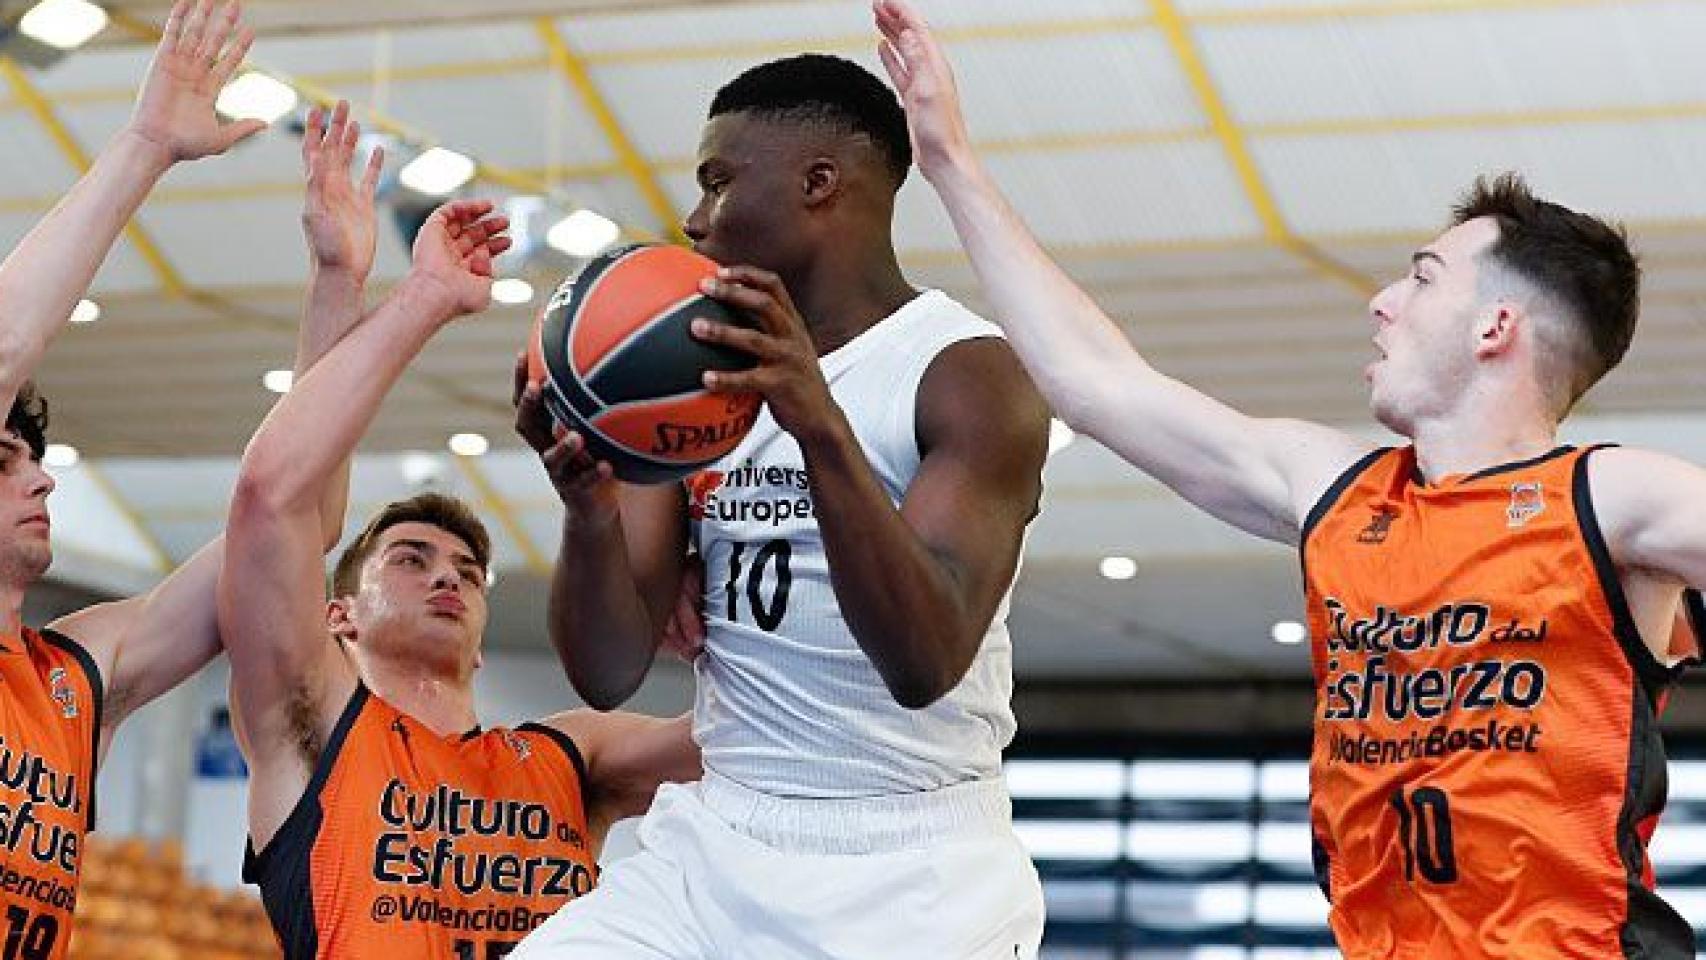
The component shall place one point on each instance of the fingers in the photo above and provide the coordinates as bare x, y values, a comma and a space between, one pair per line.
233, 58
572, 468
171, 36
532, 420
218, 29
370, 176
194, 28
735, 381
759, 293
760, 345
893, 63
312, 135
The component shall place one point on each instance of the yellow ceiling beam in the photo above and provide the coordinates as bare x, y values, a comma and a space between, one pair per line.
157, 555
1237, 151
500, 508
43, 112
574, 69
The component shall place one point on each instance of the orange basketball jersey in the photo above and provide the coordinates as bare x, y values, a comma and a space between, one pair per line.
1486, 768
409, 844
50, 728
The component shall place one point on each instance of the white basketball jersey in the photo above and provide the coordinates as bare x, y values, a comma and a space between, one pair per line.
787, 703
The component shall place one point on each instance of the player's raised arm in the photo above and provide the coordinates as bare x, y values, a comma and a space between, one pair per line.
1259, 475
52, 267
148, 644
286, 676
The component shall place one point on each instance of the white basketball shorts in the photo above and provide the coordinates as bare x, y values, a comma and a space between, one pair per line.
725, 872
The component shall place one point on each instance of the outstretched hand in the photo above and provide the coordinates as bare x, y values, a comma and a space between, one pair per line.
925, 81
337, 213
454, 253
586, 486
200, 49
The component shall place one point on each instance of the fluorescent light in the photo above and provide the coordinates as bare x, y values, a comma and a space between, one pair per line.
420, 468
1069, 839
583, 234
256, 96
278, 381
469, 445
512, 290
1060, 436
1065, 779
1289, 632
1195, 780
60, 455
1119, 568
86, 311
63, 24
438, 172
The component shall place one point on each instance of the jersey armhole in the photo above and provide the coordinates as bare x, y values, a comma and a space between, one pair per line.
1654, 675
1329, 499
1694, 610
567, 744
298, 830
92, 674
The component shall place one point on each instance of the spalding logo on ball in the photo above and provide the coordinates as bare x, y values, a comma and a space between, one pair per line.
620, 366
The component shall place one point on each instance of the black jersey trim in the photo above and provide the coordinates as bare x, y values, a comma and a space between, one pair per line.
567, 744
1651, 929
1694, 610
92, 672
1654, 676
1328, 500
1497, 469
282, 868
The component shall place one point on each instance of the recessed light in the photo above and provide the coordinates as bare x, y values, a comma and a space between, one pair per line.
583, 234
1119, 568
1289, 632
512, 290
438, 172
278, 381
256, 96
86, 311
63, 24
469, 445
61, 455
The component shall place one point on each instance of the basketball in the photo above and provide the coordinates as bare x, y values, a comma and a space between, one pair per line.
619, 365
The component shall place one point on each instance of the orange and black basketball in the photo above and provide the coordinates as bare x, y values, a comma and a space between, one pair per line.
620, 366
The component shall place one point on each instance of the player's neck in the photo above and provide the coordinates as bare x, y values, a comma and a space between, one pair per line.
443, 705
11, 611
849, 292
1476, 438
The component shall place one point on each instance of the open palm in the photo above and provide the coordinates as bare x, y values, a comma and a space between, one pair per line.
338, 215
455, 249
200, 49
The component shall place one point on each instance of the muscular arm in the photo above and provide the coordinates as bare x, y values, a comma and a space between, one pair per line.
147, 645
919, 585
288, 678
619, 561
612, 588
1651, 508
628, 756
51, 268
1261, 476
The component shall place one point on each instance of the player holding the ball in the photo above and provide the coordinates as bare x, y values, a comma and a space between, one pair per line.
859, 545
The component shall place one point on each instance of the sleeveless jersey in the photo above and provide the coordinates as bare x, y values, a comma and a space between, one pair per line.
50, 729
409, 844
1486, 769
788, 704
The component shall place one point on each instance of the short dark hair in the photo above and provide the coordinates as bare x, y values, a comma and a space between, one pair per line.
444, 512
1582, 263
819, 88
28, 419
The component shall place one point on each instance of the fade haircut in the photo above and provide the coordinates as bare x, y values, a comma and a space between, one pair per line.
28, 419
1582, 264
446, 513
821, 89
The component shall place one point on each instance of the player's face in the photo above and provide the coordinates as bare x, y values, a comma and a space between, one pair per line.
25, 550
750, 199
423, 596
1424, 337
